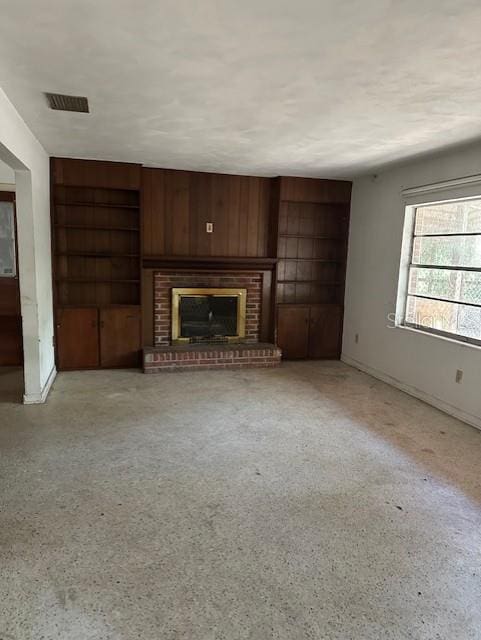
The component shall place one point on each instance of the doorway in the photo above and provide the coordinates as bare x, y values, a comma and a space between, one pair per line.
11, 339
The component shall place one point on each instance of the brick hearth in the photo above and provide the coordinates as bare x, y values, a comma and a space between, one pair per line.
198, 357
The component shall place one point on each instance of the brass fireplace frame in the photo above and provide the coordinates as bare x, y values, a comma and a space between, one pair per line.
240, 294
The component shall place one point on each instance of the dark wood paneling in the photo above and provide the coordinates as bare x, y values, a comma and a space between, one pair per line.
313, 190
77, 338
9, 297
178, 204
266, 332
293, 331
147, 307
301, 220
95, 173
325, 331
11, 346
120, 342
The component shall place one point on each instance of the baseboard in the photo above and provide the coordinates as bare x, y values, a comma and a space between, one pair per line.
443, 406
39, 398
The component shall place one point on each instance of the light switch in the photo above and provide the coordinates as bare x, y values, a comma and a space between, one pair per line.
209, 227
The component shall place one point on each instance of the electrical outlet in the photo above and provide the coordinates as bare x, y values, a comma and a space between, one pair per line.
459, 376
209, 227
356, 338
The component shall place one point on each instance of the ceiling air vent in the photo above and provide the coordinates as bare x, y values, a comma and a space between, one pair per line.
60, 102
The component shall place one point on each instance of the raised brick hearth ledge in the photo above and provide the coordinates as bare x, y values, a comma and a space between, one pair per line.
213, 356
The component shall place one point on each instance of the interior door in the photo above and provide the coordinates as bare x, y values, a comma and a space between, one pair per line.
120, 337
77, 338
325, 331
293, 331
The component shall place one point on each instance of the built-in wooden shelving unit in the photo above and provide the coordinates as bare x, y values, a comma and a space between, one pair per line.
97, 243
115, 224
96, 227
312, 226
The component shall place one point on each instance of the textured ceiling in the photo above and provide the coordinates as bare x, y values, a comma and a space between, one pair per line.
267, 87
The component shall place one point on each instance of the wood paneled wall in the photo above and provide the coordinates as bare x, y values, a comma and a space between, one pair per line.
315, 190
178, 204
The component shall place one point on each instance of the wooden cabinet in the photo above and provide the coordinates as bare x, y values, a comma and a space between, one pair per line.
88, 338
325, 326
119, 337
309, 331
293, 331
77, 338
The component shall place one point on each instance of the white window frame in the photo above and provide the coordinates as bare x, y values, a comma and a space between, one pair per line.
457, 190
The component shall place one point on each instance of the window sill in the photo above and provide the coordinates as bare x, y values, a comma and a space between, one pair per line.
428, 334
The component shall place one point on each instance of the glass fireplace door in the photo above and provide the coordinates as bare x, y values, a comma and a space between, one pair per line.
208, 315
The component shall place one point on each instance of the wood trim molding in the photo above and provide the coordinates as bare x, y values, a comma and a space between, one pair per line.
208, 262
41, 397
467, 181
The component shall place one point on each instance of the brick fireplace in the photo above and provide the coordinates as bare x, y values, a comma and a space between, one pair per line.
165, 282
250, 352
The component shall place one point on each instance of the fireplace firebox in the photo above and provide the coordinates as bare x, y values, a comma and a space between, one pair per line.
208, 315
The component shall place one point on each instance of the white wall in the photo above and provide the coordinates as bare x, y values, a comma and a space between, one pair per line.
421, 364
7, 178
21, 151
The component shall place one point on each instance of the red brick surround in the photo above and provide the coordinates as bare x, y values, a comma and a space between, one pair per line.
165, 281
201, 357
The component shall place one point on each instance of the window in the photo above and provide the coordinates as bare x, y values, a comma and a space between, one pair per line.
442, 293
7, 241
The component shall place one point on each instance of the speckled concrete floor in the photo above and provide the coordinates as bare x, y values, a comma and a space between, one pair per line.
306, 502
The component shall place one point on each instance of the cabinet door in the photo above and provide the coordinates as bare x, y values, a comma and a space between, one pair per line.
120, 337
293, 331
77, 338
325, 331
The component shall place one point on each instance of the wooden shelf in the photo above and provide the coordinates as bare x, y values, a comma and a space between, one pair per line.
95, 281
308, 237
319, 204
96, 306
211, 259
104, 205
92, 254
94, 228
335, 283
311, 260
309, 304
206, 262
97, 187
